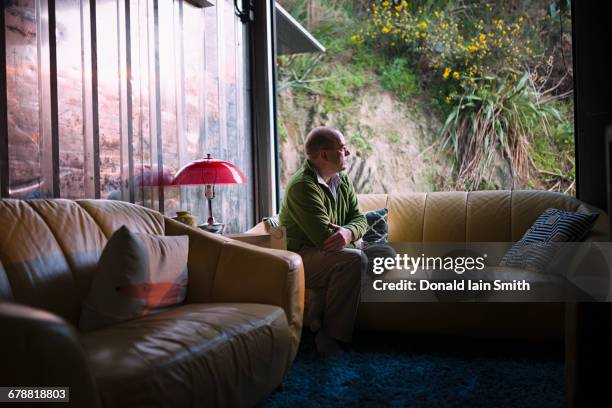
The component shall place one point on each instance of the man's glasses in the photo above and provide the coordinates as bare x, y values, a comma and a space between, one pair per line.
345, 151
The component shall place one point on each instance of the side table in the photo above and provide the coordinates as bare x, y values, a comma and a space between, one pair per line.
276, 238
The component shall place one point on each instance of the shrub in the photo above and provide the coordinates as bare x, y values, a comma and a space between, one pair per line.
455, 47
496, 116
476, 65
400, 79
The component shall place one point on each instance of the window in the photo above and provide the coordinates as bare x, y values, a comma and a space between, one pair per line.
142, 88
430, 98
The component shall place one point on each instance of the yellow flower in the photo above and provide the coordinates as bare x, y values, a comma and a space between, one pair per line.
455, 75
422, 26
385, 30
446, 73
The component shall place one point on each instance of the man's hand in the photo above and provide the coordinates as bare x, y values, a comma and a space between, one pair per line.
339, 239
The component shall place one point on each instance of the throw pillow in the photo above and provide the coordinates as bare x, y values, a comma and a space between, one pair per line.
137, 274
378, 227
537, 247
270, 222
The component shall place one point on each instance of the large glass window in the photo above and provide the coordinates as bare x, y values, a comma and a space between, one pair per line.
112, 172
28, 126
71, 118
445, 95
143, 89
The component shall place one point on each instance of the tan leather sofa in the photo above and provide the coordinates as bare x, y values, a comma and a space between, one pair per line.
480, 216
230, 344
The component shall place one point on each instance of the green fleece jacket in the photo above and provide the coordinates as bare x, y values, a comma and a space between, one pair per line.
308, 207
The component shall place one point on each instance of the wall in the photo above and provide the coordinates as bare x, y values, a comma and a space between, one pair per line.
589, 325
108, 98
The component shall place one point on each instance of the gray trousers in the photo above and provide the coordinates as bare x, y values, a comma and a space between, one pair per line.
338, 275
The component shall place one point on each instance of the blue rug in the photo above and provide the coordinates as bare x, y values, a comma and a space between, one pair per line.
401, 370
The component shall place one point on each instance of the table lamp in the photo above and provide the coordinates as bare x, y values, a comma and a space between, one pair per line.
209, 172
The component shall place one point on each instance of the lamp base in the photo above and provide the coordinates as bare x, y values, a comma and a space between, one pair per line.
215, 228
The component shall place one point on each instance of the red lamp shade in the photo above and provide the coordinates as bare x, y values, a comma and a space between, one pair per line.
208, 171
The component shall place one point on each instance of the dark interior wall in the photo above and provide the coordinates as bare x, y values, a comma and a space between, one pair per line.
592, 42
588, 325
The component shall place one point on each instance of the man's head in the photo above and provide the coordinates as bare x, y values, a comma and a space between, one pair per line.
326, 149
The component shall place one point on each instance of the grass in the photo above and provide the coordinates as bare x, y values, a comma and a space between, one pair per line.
553, 157
398, 77
395, 137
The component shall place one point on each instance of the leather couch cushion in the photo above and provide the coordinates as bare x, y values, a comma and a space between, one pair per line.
111, 215
476, 216
488, 216
369, 202
49, 249
137, 274
193, 355
77, 234
406, 217
34, 262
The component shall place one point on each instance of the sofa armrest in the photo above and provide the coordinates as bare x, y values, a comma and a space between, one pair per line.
275, 238
246, 273
204, 251
39, 349
224, 270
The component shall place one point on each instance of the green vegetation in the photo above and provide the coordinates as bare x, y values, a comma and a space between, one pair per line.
501, 116
395, 138
495, 74
361, 140
398, 77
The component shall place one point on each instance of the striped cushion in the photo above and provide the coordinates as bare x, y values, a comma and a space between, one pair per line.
536, 248
270, 222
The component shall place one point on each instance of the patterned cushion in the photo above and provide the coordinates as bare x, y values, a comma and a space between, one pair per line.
137, 274
270, 222
537, 247
378, 227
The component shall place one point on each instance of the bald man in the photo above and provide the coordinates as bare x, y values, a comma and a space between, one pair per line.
323, 221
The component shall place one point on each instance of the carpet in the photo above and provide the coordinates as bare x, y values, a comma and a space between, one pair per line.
402, 370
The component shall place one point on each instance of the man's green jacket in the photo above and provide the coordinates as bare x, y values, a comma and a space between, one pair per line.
309, 207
